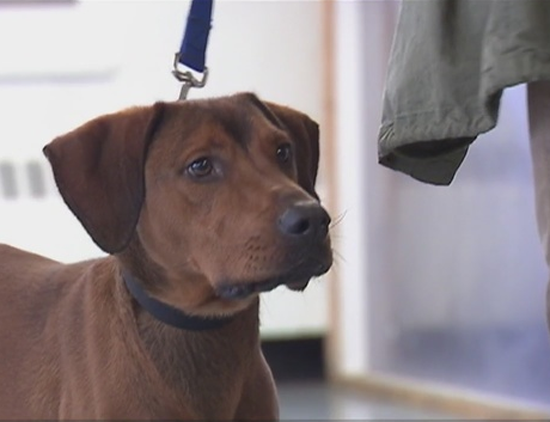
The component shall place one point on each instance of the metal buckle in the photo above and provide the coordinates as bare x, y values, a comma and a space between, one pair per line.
187, 78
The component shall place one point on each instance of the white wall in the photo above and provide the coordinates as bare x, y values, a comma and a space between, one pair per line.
351, 334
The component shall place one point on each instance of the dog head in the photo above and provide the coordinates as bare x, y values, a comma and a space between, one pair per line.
218, 194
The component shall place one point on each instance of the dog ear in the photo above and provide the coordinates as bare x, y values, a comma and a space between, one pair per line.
305, 133
99, 171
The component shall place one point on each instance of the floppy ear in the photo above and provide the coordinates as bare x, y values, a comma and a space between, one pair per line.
305, 133
99, 171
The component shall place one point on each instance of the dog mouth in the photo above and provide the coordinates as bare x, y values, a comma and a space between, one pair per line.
295, 280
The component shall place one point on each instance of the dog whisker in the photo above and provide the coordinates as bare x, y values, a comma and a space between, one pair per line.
338, 256
338, 219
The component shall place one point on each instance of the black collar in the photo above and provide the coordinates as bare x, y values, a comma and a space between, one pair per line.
167, 313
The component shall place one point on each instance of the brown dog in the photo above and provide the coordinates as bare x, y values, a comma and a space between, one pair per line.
201, 205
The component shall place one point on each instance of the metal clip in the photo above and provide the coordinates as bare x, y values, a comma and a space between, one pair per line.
187, 78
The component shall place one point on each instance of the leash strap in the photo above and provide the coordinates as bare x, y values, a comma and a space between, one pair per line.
168, 314
192, 53
193, 46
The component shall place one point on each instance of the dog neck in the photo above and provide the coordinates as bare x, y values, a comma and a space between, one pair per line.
168, 314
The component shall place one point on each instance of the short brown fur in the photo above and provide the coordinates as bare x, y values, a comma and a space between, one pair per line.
76, 345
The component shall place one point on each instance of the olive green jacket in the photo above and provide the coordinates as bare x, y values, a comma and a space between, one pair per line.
449, 63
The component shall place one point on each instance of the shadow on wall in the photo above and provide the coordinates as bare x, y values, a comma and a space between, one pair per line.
26, 179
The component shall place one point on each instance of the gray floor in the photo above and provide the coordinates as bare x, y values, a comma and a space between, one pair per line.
317, 401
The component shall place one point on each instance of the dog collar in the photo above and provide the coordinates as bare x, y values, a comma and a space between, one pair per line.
169, 314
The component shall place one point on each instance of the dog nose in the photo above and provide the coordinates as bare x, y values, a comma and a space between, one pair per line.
305, 220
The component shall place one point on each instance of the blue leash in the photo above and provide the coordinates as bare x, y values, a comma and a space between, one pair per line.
192, 53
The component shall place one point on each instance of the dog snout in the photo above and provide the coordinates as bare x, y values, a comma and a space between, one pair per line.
305, 221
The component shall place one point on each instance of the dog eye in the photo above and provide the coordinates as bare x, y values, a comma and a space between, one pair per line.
201, 167
284, 153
